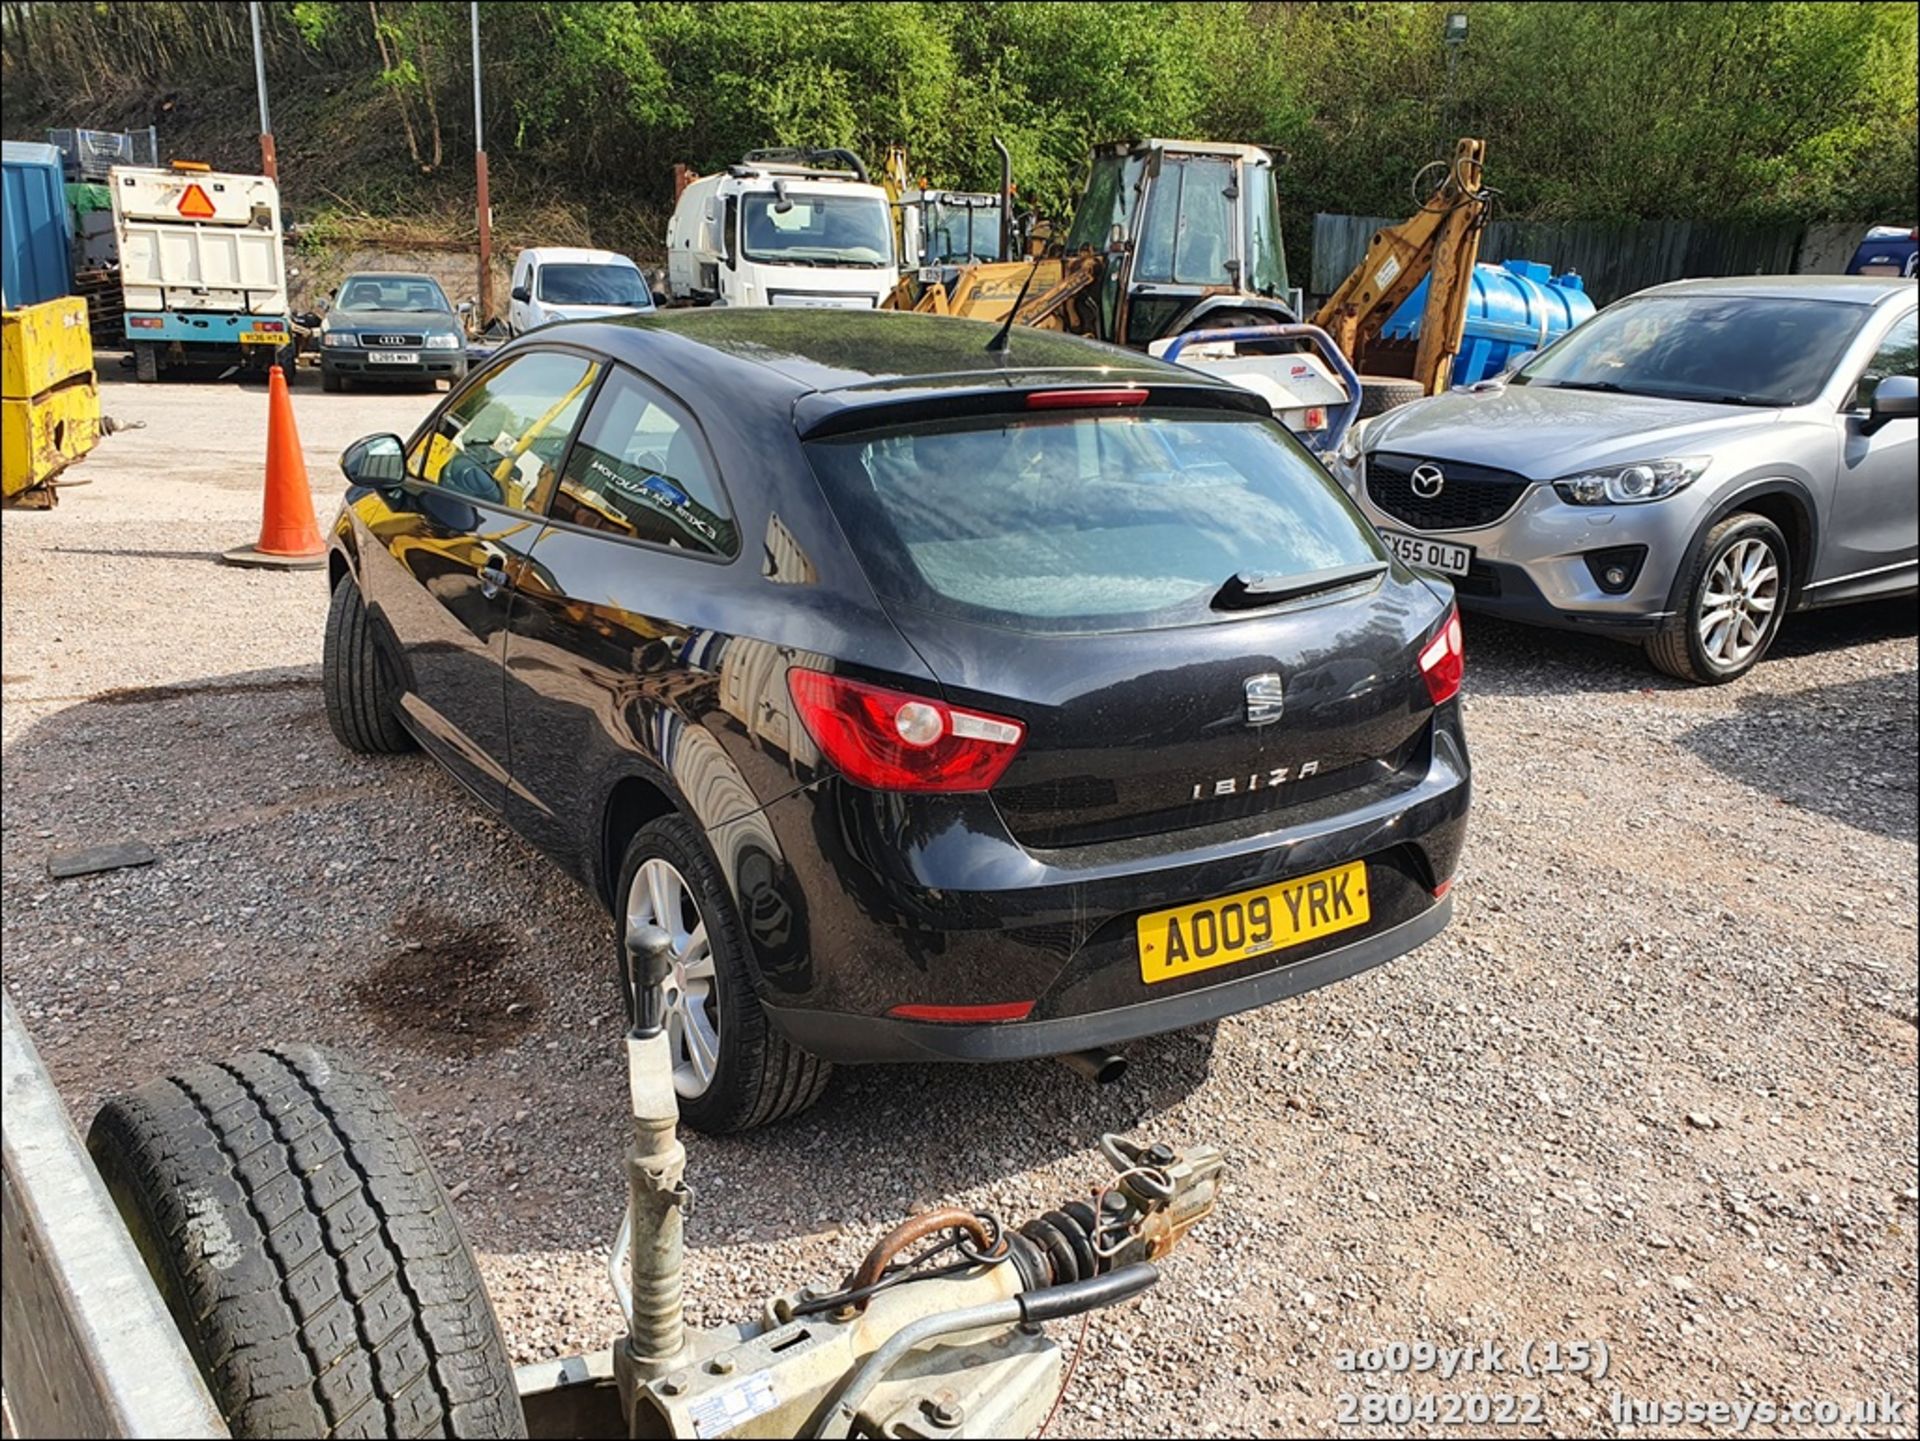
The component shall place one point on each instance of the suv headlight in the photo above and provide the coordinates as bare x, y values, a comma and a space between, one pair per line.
332, 338
1633, 484
444, 342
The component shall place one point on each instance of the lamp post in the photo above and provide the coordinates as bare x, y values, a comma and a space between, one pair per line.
1455, 37
268, 163
480, 179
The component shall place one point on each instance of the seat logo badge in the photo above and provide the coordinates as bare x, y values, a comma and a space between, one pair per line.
1265, 699
1428, 481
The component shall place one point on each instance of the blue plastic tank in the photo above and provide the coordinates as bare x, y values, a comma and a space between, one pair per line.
35, 233
1513, 307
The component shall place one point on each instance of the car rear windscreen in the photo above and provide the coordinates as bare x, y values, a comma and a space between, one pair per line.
1089, 522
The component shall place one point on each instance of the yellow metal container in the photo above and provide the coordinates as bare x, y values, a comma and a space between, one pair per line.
52, 407
44, 345
45, 435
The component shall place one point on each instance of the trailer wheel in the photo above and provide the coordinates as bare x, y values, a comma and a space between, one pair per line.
306, 1251
1381, 393
146, 362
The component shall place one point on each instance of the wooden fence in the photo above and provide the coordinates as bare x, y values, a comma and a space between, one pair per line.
1613, 259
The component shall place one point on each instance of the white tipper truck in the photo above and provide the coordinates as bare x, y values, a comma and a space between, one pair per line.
202, 273
783, 227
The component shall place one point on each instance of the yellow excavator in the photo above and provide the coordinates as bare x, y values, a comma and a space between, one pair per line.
1175, 248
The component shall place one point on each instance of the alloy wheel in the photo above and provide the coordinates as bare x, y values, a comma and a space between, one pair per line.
1738, 603
660, 895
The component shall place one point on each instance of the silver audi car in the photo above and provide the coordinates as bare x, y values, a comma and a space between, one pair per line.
1682, 470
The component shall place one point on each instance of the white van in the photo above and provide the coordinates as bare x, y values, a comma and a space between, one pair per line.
562, 282
782, 229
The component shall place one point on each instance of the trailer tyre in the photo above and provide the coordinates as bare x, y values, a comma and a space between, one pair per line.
306, 1251
146, 362
363, 707
1381, 393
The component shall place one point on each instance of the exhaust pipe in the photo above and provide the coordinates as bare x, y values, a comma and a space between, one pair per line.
1103, 1068
1006, 210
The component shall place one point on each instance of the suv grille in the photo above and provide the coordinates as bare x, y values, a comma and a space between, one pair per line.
1470, 495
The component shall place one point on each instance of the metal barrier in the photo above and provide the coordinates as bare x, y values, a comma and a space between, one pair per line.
86, 1343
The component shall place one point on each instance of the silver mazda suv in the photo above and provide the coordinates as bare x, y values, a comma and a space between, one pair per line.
1682, 470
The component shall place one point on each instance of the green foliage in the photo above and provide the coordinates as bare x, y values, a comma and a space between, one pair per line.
1768, 112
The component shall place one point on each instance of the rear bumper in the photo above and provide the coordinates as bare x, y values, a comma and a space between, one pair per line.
852, 909
845, 1038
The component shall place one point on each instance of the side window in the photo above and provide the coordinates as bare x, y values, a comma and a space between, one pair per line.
1896, 356
639, 471
502, 440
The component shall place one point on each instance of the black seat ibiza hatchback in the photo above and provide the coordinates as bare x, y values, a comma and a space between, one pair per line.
943, 700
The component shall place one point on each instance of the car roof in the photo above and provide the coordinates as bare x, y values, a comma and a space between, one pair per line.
1843, 289
828, 364
552, 254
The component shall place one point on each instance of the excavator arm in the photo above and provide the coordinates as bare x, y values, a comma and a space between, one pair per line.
1441, 240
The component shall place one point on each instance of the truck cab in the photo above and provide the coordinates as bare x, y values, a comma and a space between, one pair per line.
563, 282
948, 228
781, 229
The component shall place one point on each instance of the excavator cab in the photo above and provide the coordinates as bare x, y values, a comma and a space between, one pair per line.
1188, 230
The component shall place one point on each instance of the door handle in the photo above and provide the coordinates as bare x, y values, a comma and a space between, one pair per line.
493, 579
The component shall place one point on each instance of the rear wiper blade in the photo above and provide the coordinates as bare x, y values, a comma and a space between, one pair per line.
1249, 589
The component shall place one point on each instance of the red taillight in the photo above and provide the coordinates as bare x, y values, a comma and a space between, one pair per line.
1444, 660
892, 741
1077, 399
965, 1015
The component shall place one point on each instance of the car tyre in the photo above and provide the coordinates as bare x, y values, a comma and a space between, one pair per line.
363, 703
758, 1077
1691, 646
332, 380
306, 1251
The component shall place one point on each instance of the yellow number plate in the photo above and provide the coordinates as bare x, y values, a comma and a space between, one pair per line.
1252, 923
264, 337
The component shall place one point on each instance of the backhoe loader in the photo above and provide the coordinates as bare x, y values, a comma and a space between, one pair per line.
1172, 241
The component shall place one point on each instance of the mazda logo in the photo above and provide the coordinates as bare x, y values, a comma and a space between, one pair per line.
1428, 481
1265, 699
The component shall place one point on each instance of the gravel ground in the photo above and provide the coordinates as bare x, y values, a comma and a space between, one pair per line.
1655, 1086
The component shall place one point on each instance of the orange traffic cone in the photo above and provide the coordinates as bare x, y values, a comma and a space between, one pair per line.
289, 534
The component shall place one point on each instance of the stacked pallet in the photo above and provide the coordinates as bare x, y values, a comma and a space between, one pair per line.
106, 308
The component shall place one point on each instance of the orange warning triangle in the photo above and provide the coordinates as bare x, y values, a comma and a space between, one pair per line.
195, 204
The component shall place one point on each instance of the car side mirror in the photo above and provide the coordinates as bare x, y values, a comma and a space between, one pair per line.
378, 462
522, 294
465, 307
659, 298
1896, 397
